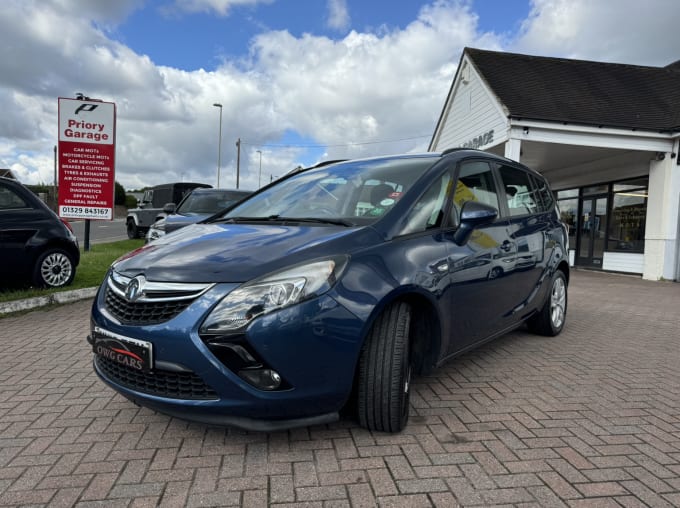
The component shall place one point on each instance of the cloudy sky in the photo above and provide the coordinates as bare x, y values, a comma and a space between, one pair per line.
300, 81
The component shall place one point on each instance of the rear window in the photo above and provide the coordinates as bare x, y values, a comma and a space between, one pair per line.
10, 200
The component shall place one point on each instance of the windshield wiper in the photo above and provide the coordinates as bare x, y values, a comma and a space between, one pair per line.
320, 220
281, 218
234, 220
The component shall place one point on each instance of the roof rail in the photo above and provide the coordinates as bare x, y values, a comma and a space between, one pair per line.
458, 149
319, 165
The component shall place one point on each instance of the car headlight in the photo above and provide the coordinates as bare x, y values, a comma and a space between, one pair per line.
159, 225
272, 292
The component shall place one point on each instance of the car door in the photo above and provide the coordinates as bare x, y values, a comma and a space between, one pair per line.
528, 223
18, 224
477, 274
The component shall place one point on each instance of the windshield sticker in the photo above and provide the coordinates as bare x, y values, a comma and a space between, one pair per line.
387, 202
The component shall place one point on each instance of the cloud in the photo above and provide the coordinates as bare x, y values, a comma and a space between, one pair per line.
338, 15
362, 94
349, 93
367, 87
221, 7
625, 31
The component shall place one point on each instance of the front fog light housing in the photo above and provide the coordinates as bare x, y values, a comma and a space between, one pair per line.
272, 292
264, 379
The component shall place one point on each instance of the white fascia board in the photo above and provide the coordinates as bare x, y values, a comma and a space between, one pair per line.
548, 132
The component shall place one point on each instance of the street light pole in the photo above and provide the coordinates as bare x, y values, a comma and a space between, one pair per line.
259, 177
238, 159
219, 146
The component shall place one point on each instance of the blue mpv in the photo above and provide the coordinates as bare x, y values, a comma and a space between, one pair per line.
330, 288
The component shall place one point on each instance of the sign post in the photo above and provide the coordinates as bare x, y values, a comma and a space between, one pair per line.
87, 134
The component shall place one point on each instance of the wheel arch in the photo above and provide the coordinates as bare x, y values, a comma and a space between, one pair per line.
54, 243
425, 330
564, 267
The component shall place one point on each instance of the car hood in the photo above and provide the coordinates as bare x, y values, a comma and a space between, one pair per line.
177, 221
238, 252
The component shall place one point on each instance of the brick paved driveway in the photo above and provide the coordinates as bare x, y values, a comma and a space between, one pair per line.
591, 418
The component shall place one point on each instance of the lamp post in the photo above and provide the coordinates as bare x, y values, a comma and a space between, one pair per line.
259, 176
238, 159
219, 146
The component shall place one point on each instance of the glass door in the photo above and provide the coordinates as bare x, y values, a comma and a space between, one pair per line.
593, 231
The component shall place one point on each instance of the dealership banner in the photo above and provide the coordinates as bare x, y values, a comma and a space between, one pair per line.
87, 134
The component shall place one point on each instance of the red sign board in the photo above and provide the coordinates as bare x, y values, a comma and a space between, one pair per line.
87, 134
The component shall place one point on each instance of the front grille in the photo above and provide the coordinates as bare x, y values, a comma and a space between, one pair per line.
162, 383
137, 301
142, 313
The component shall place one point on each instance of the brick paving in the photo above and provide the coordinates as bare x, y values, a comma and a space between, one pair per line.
587, 419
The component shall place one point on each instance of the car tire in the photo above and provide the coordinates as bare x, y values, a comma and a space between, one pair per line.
549, 321
495, 272
54, 268
132, 230
384, 381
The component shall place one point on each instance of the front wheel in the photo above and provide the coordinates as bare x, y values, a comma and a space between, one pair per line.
550, 319
132, 230
384, 382
54, 268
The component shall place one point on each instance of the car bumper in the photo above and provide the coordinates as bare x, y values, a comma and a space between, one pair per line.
314, 346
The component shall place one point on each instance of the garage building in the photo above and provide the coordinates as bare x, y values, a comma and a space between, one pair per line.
605, 135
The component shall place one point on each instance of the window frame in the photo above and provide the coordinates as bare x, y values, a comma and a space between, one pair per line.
19, 194
495, 178
533, 189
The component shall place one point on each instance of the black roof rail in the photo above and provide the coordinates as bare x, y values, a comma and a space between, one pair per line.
319, 165
458, 149
326, 163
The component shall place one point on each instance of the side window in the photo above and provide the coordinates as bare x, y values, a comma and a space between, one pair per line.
475, 183
9, 200
428, 211
519, 191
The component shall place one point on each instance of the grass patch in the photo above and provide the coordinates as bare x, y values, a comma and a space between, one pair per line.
90, 272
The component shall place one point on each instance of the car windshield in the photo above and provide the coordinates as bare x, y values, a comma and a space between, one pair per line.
206, 202
357, 192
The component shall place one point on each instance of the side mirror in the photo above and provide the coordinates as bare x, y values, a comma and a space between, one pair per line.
169, 208
473, 214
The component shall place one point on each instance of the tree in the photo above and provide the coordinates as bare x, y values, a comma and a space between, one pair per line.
119, 198
130, 201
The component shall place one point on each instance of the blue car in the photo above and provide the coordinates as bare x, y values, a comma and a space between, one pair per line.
330, 288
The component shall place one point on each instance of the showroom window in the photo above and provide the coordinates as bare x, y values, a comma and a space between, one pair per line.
628, 215
567, 202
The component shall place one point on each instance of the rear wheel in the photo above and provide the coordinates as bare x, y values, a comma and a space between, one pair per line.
384, 381
550, 319
132, 230
54, 269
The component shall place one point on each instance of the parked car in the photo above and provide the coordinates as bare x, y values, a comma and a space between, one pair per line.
36, 247
199, 204
329, 289
153, 204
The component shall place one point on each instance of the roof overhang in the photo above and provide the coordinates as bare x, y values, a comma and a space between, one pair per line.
580, 155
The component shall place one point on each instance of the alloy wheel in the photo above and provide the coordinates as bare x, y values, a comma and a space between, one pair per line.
558, 300
56, 269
